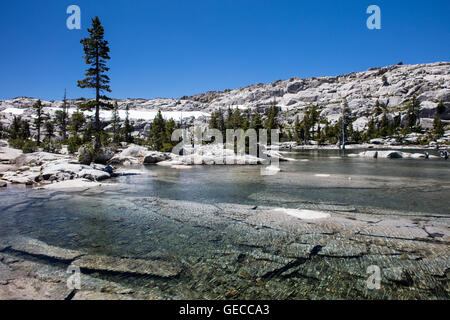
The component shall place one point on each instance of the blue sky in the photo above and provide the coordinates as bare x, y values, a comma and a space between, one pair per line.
175, 48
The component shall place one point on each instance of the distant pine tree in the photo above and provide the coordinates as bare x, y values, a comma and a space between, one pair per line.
441, 107
77, 121
214, 120
413, 113
15, 127
39, 119
438, 128
158, 132
61, 118
25, 133
127, 127
296, 129
115, 123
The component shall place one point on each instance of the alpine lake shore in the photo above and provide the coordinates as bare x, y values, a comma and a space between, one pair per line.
318, 251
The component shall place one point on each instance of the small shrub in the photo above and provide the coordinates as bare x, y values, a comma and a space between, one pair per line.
74, 143
16, 143
29, 146
87, 154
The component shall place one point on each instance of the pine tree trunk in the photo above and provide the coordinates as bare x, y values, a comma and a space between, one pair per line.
97, 108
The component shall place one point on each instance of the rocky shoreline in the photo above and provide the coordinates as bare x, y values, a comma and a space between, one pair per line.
42, 169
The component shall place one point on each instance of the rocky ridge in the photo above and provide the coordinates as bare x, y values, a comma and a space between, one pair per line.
429, 82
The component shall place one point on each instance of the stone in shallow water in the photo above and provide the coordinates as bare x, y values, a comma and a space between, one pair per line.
72, 185
36, 247
125, 265
304, 214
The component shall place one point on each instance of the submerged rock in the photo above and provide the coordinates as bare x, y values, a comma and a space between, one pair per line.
72, 185
124, 265
304, 214
38, 248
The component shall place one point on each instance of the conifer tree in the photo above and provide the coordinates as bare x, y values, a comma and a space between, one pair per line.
384, 126
115, 123
170, 128
25, 133
61, 117
237, 119
14, 129
229, 121
38, 121
256, 123
127, 127
413, 113
297, 129
221, 122
441, 107
214, 121
438, 128
77, 121
96, 53
158, 132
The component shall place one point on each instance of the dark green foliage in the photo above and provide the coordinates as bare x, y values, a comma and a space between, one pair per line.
61, 119
49, 129
438, 128
157, 134
39, 119
14, 128
371, 132
16, 143
77, 121
74, 143
170, 128
385, 129
127, 128
25, 130
237, 119
88, 154
160, 135
29, 146
229, 120
115, 123
214, 120
441, 107
413, 114
378, 110
96, 53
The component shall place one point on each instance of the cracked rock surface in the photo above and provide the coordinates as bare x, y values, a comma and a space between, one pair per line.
190, 250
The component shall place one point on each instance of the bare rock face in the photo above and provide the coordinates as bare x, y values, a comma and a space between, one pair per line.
37, 158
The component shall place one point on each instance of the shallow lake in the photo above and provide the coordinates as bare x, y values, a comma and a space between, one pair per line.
113, 222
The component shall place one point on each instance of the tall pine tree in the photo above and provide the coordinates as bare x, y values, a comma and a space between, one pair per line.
96, 53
